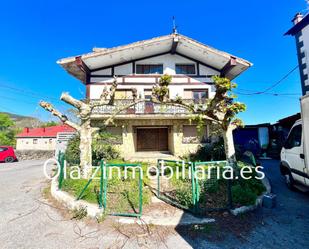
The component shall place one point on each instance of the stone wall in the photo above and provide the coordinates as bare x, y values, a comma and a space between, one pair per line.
34, 154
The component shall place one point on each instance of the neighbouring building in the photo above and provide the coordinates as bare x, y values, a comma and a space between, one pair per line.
300, 31
273, 136
47, 138
149, 126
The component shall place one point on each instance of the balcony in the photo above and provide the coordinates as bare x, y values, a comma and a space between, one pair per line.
142, 108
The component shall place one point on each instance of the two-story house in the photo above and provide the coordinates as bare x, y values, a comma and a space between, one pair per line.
149, 126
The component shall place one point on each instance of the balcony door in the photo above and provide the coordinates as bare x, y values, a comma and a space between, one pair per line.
152, 139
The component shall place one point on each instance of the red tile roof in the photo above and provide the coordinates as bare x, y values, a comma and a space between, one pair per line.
45, 132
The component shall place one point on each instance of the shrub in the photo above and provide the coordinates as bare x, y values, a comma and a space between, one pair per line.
72, 153
245, 192
102, 147
184, 196
209, 152
243, 196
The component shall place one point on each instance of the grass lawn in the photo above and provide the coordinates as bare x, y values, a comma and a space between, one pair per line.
122, 194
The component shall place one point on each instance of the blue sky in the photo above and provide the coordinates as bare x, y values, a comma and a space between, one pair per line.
35, 34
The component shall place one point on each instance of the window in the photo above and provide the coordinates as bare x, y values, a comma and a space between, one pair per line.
294, 138
3, 149
147, 94
35, 141
149, 69
192, 136
185, 69
199, 95
123, 94
50, 140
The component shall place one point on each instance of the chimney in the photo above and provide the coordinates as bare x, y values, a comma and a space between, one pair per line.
26, 129
297, 18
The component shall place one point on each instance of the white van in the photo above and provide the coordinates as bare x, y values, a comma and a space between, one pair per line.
295, 152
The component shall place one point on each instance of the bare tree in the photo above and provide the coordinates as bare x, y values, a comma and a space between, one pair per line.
85, 129
220, 110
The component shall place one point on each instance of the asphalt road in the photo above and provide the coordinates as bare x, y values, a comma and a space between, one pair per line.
27, 220
285, 226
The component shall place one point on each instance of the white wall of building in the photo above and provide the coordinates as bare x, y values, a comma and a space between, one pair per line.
305, 39
169, 61
38, 144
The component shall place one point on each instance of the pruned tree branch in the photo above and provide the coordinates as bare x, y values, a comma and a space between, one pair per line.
111, 118
107, 97
72, 101
49, 107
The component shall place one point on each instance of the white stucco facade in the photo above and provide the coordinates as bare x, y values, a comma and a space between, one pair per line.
191, 66
36, 143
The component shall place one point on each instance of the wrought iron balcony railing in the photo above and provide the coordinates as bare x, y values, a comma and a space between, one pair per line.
142, 108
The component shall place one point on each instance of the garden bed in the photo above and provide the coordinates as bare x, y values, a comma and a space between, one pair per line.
122, 194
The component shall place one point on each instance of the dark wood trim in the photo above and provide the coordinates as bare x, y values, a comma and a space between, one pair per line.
197, 68
113, 71
88, 91
197, 61
174, 45
228, 67
80, 63
128, 62
133, 67
88, 77
150, 84
153, 76
151, 56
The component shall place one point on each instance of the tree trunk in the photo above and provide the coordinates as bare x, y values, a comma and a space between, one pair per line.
85, 149
229, 146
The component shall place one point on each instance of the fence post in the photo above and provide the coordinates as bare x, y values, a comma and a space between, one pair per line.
61, 162
140, 191
159, 173
101, 185
229, 192
104, 185
191, 165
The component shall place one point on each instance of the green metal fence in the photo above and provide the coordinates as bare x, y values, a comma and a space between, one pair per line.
61, 161
213, 191
197, 188
175, 184
119, 195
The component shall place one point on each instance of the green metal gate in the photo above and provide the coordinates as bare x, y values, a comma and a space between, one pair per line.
119, 195
194, 193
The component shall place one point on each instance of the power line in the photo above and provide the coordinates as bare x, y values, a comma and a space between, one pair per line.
265, 91
19, 100
6, 109
28, 92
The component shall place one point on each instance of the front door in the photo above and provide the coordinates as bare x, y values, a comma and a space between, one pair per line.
152, 139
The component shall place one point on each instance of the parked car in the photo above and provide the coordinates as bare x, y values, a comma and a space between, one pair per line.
7, 154
294, 155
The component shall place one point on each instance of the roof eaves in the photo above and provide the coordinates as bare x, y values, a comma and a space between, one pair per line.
114, 49
299, 26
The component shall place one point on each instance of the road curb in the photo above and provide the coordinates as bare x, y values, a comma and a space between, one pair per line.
71, 203
93, 211
258, 202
